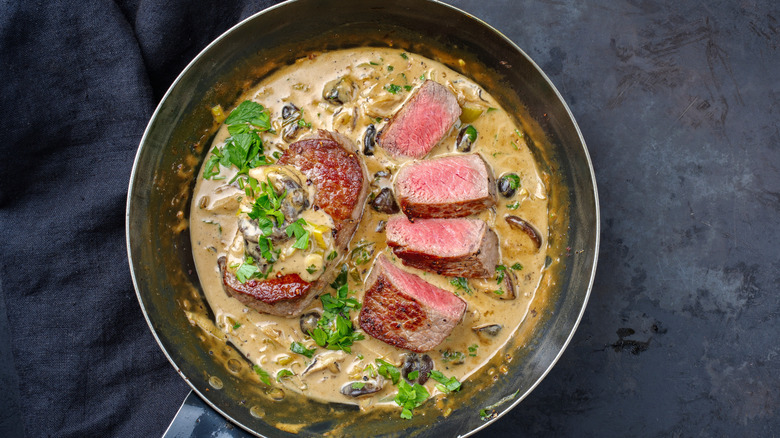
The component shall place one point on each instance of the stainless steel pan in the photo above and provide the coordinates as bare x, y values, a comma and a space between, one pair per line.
175, 143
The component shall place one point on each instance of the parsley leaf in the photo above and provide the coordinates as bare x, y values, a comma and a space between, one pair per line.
301, 235
445, 385
410, 397
297, 347
514, 181
335, 330
513, 206
283, 373
388, 370
252, 113
393, 88
500, 272
461, 283
246, 271
264, 377
517, 266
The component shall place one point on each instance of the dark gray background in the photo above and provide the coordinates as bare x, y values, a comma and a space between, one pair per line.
678, 102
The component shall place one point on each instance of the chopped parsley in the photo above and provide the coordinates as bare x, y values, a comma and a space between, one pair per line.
404, 56
517, 266
311, 269
264, 377
456, 357
301, 235
500, 272
283, 373
362, 253
390, 68
410, 397
388, 371
332, 255
461, 283
514, 181
236, 326
358, 385
473, 350
513, 206
335, 330
247, 271
499, 292
393, 88
445, 385
297, 347
244, 148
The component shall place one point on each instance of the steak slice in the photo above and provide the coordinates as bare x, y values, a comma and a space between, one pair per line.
422, 122
453, 247
403, 310
449, 186
341, 184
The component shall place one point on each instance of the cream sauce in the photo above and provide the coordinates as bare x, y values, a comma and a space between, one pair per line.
265, 339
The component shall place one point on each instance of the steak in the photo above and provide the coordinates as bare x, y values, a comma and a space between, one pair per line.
403, 310
453, 247
450, 186
422, 122
339, 177
328, 160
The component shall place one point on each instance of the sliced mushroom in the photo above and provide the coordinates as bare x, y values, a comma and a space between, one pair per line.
339, 91
360, 388
329, 360
384, 202
369, 140
415, 362
487, 330
520, 224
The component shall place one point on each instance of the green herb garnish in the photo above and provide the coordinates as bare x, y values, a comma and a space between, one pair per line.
393, 88
244, 148
410, 397
358, 385
471, 132
297, 347
301, 235
517, 266
283, 373
335, 330
513, 206
445, 385
264, 377
404, 56
388, 371
461, 283
236, 326
473, 350
500, 271
514, 181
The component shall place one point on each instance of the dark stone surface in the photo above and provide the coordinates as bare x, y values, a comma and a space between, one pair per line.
679, 102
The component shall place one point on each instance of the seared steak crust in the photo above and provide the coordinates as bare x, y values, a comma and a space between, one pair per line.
285, 296
453, 247
403, 310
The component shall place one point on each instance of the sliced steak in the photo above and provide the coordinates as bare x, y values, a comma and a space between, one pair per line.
450, 186
341, 184
422, 122
403, 310
453, 247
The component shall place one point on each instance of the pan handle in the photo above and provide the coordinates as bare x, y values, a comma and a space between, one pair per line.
196, 419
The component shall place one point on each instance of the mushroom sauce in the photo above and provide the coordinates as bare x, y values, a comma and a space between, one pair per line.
379, 82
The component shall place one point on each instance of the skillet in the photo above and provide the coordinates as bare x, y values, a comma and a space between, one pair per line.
175, 144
